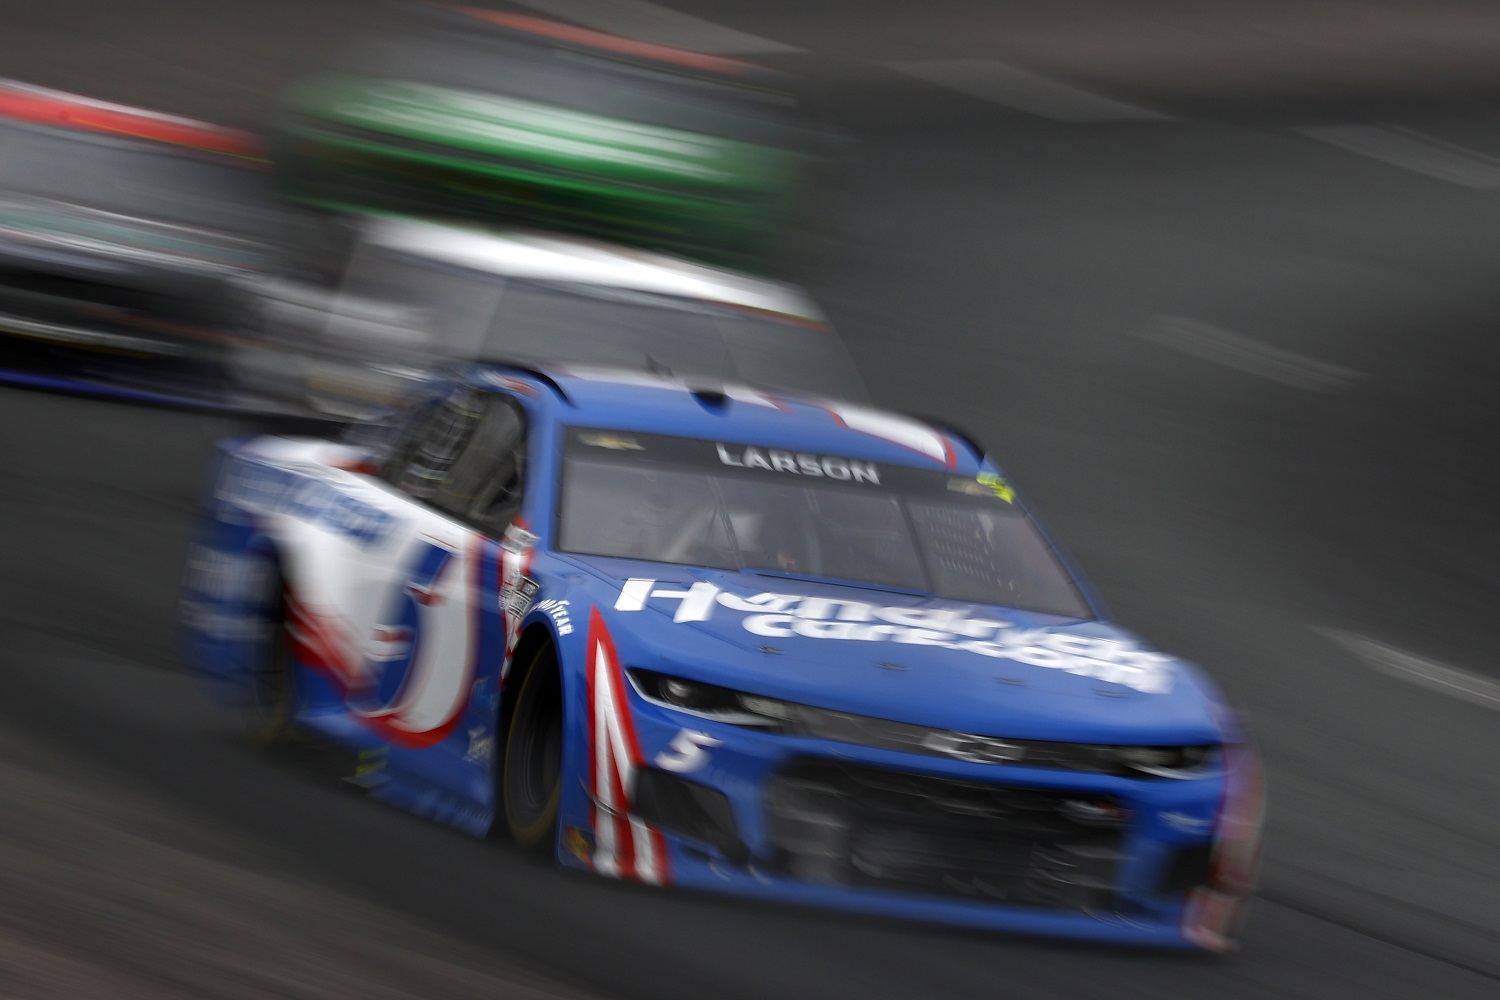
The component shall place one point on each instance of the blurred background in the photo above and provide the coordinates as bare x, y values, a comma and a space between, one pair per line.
1214, 281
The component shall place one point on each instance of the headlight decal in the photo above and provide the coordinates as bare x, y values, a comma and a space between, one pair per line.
625, 847
708, 701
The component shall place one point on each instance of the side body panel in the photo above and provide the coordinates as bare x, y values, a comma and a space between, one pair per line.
399, 619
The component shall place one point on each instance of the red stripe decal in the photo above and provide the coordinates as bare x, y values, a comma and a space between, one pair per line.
624, 846
45, 107
608, 43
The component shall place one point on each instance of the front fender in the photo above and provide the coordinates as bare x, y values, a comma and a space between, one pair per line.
601, 757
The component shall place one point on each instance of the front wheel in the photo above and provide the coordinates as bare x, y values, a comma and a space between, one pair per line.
531, 788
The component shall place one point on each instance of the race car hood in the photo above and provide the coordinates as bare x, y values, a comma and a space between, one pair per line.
972, 668
35, 231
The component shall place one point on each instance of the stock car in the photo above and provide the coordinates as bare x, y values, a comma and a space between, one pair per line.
123, 236
416, 296
721, 638
459, 113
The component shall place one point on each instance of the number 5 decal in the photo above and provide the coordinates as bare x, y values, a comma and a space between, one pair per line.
688, 751
417, 655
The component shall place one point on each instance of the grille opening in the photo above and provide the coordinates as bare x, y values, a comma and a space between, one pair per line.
858, 825
685, 807
1188, 869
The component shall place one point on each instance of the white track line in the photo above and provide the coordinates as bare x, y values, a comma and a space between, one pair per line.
1022, 91
1415, 151
1209, 343
1426, 673
649, 23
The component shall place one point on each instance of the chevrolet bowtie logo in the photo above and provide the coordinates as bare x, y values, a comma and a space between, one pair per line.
975, 749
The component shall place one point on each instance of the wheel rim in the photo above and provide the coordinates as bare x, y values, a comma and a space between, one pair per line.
540, 766
533, 758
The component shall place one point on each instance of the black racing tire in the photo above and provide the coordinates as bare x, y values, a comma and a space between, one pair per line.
531, 785
266, 711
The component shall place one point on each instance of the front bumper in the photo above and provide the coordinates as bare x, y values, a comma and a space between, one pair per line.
994, 846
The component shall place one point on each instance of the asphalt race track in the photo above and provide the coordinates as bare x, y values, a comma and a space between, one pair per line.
1231, 321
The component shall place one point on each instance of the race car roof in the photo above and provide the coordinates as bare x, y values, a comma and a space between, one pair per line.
654, 404
25, 102
540, 257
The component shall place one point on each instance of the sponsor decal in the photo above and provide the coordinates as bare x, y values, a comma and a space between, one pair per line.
223, 576
481, 749
558, 612
624, 846
370, 764
997, 486
986, 484
518, 601
781, 616
517, 538
799, 463
517, 589
258, 488
614, 442
578, 844
212, 621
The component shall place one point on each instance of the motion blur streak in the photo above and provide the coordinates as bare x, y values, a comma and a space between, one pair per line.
82, 859
1427, 673
1222, 347
1311, 229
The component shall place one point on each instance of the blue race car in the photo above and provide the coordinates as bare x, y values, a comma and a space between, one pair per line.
728, 639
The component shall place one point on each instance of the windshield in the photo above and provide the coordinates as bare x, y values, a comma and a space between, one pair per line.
148, 181
477, 316
823, 517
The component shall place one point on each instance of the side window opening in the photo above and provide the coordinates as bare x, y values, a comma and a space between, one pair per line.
484, 484
467, 458
422, 462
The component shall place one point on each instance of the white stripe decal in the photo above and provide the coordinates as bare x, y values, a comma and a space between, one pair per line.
615, 761
645, 852
604, 828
